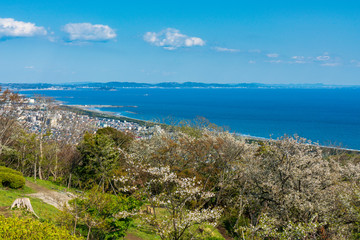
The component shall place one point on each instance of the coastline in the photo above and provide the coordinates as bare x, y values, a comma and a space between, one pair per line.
102, 114
117, 110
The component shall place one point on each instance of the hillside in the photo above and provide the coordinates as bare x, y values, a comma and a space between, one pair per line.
47, 200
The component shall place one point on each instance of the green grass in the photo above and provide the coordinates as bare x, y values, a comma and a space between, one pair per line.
43, 210
138, 229
47, 184
51, 185
210, 232
8, 195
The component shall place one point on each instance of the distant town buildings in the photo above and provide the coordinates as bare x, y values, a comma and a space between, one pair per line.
69, 126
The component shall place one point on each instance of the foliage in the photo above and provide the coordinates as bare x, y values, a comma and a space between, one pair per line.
23, 228
11, 178
122, 140
9, 170
22, 154
100, 215
98, 158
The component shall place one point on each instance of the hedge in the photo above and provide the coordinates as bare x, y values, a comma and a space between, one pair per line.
27, 228
11, 178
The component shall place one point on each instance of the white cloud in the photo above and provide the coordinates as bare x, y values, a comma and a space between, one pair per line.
298, 57
220, 49
252, 62
29, 67
272, 55
12, 28
298, 60
88, 32
171, 39
323, 58
328, 61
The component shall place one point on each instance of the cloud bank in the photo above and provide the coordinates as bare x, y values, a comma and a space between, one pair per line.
171, 39
11, 28
88, 32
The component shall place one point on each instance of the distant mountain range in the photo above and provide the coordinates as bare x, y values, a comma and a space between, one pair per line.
114, 85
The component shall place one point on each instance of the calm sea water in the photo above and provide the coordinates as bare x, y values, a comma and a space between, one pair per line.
327, 116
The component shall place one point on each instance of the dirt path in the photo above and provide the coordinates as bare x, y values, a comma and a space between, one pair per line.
55, 198
130, 236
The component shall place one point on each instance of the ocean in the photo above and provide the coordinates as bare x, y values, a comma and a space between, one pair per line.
330, 117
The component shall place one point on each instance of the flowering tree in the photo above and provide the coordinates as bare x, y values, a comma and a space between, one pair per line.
177, 204
291, 180
183, 201
301, 190
267, 228
171, 163
290, 189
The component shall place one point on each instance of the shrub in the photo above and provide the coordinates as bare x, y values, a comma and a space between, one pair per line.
9, 170
25, 228
11, 178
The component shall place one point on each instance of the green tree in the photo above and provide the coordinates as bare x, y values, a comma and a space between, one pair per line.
98, 158
122, 140
100, 215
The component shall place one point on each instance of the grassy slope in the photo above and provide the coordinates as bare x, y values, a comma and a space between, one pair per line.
137, 228
48, 213
50, 185
43, 210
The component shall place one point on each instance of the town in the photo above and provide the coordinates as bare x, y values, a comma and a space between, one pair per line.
51, 120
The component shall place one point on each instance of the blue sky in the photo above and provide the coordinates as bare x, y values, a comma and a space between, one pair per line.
296, 41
